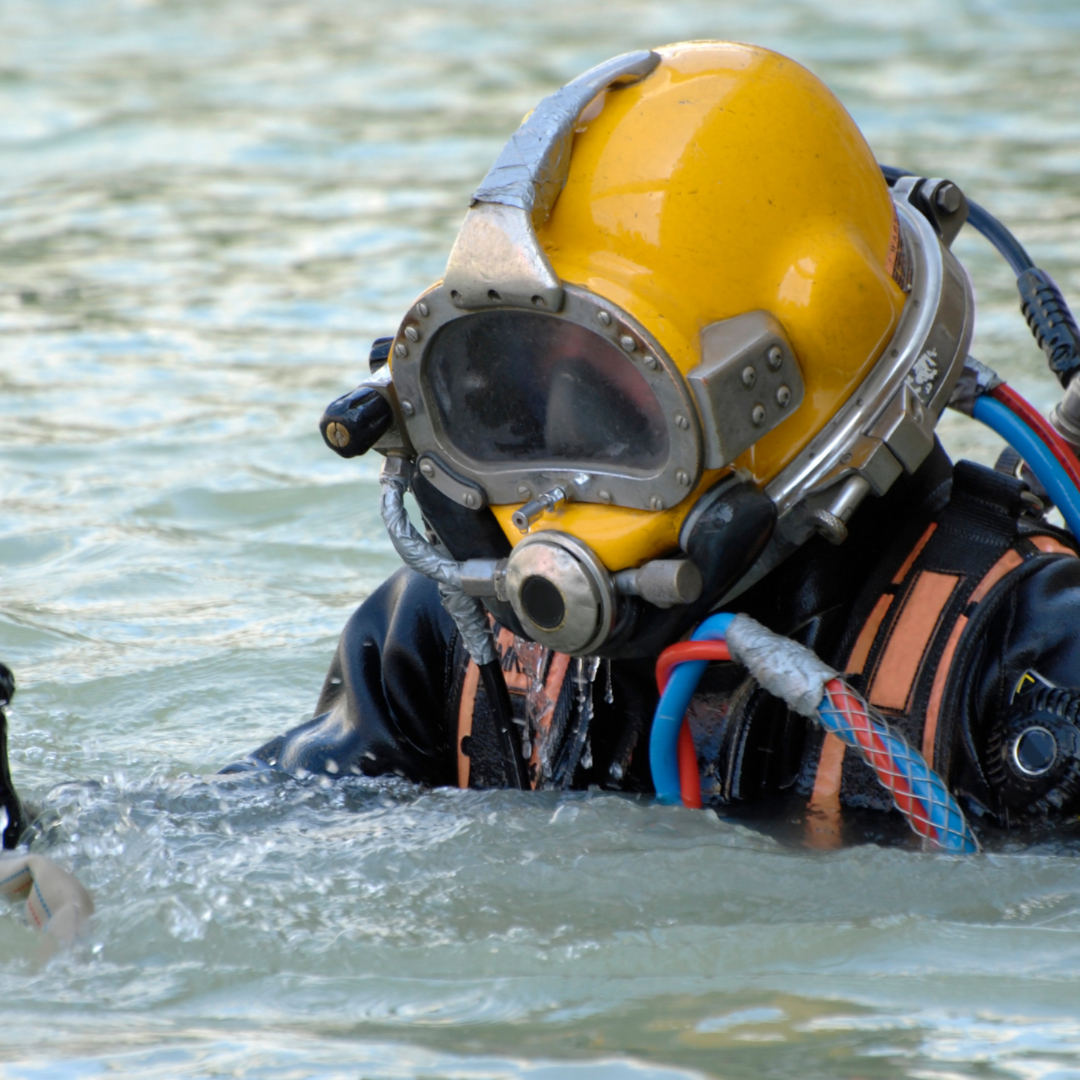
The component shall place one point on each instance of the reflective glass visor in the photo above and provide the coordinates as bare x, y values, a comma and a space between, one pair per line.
526, 386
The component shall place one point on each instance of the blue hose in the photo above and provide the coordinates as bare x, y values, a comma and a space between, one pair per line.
675, 700
1047, 469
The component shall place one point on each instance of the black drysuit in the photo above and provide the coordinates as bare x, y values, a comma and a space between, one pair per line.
1003, 649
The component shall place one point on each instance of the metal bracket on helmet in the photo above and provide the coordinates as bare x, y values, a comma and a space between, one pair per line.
497, 258
747, 383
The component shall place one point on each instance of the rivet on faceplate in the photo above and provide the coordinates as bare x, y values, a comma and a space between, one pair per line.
469, 499
427, 469
422, 309
407, 407
783, 396
683, 477
628, 343
604, 495
412, 333
651, 362
401, 349
656, 502
775, 357
604, 317
681, 422
524, 491
757, 414
749, 376
846, 458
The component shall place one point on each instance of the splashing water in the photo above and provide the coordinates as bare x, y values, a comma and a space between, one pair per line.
583, 677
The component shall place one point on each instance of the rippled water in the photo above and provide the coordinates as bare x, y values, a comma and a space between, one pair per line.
207, 210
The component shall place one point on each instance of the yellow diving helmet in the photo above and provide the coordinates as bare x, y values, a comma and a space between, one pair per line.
685, 325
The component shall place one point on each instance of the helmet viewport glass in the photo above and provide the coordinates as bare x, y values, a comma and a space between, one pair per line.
522, 385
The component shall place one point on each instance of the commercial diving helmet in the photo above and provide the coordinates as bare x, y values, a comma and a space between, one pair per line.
685, 326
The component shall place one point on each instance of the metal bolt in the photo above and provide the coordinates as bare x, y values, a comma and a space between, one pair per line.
427, 469
829, 525
422, 309
628, 343
749, 376
757, 414
401, 349
604, 495
337, 433
469, 499
783, 396
681, 422
412, 333
407, 407
652, 363
656, 502
683, 477
604, 317
775, 357
947, 198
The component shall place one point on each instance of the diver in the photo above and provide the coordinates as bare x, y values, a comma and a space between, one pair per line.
687, 357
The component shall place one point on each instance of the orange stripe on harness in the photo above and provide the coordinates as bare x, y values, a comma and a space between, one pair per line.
1049, 546
1007, 563
915, 552
890, 686
825, 800
518, 682
865, 640
464, 723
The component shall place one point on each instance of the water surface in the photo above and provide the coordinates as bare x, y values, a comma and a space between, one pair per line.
207, 210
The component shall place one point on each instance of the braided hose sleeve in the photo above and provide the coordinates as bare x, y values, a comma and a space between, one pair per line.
917, 791
467, 611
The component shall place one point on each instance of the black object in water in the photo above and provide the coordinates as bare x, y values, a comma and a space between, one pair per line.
8, 799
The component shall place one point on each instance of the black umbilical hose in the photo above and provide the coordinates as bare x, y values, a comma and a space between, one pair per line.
498, 697
9, 800
982, 221
1041, 301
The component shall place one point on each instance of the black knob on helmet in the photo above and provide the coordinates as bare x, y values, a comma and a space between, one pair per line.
356, 421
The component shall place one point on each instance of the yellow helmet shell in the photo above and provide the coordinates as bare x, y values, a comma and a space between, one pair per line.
732, 180
728, 180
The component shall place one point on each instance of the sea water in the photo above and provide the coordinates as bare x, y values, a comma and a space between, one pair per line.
208, 208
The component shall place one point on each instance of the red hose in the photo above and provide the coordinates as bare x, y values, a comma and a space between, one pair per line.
687, 650
689, 774
1042, 427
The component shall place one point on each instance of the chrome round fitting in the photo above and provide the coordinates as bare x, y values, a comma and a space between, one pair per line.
1034, 751
561, 592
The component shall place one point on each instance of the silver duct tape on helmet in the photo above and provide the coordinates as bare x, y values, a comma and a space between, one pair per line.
496, 257
785, 668
467, 611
